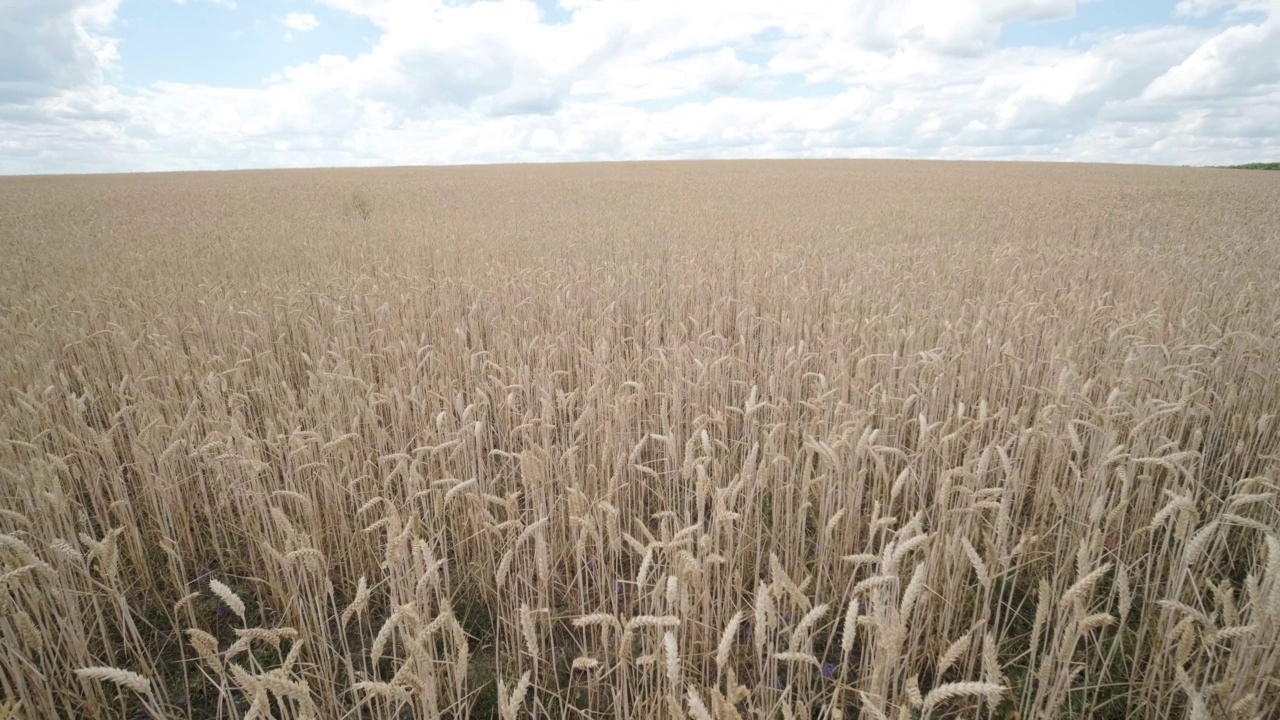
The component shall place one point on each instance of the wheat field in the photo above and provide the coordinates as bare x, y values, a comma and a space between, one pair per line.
776, 439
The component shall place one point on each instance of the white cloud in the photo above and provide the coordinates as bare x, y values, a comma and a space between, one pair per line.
493, 81
1239, 60
302, 22
725, 72
1201, 8
225, 3
49, 46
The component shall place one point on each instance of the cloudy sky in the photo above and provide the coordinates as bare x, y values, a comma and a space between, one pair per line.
123, 85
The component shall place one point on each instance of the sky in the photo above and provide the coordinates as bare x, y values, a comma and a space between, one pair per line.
144, 85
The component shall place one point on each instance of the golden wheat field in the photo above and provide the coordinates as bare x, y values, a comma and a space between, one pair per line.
777, 439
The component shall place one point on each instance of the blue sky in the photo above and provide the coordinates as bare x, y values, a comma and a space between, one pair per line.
238, 45
125, 85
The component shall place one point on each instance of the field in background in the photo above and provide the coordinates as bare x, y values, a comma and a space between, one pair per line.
708, 440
